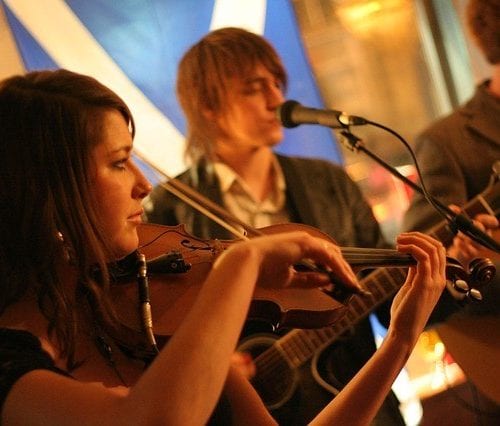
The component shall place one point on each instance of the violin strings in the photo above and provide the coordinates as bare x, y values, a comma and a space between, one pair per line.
376, 256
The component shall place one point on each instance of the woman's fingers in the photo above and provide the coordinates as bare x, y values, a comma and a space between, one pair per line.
429, 254
282, 251
422, 246
424, 284
330, 259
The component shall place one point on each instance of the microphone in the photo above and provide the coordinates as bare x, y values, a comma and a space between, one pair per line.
292, 114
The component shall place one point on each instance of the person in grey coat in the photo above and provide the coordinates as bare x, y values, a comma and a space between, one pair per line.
459, 157
459, 154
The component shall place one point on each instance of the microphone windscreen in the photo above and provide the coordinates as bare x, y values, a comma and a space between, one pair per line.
284, 113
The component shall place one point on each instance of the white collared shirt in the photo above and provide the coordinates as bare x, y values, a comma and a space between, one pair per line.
240, 202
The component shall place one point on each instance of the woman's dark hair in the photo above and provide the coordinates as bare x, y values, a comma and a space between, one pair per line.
49, 123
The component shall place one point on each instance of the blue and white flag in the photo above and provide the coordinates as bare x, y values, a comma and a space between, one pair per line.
134, 46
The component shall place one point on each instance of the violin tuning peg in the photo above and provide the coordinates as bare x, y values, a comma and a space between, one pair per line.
461, 286
475, 295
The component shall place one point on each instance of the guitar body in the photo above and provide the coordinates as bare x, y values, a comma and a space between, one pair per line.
292, 395
275, 386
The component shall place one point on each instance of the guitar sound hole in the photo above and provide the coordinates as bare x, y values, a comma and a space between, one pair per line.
275, 380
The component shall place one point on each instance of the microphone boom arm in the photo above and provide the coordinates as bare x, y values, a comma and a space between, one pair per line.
456, 222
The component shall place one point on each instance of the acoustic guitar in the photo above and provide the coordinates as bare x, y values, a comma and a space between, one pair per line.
278, 359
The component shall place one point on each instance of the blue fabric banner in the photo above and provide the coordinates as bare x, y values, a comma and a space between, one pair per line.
134, 46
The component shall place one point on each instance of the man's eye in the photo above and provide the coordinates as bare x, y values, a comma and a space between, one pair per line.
120, 164
252, 89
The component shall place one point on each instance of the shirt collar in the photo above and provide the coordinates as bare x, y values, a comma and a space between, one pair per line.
227, 177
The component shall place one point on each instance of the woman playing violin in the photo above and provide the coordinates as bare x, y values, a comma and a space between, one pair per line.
70, 205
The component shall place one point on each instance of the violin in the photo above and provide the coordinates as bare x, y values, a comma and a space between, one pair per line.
178, 264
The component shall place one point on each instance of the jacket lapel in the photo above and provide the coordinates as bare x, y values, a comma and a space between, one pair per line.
299, 200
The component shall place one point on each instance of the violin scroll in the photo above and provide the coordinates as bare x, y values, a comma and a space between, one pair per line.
481, 272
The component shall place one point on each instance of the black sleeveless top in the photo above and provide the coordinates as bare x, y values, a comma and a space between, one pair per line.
20, 353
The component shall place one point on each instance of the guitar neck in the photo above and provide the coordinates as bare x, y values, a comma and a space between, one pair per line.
486, 202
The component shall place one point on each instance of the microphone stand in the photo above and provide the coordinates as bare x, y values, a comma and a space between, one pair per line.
456, 222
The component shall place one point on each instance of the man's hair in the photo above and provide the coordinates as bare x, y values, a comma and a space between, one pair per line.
484, 23
204, 74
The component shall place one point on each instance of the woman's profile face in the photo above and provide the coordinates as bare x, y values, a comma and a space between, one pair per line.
117, 185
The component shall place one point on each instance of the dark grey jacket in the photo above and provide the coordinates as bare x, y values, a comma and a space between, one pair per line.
456, 155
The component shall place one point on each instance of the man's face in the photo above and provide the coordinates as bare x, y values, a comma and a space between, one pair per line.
250, 121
